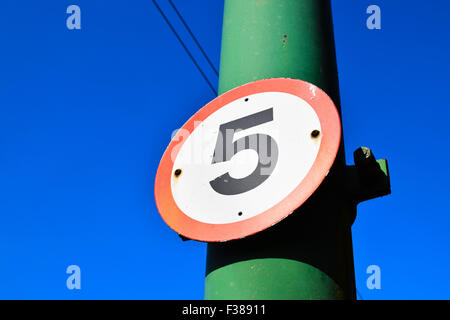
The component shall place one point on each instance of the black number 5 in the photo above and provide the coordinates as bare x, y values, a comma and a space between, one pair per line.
225, 149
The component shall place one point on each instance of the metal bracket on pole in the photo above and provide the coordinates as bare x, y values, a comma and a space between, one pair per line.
183, 238
368, 178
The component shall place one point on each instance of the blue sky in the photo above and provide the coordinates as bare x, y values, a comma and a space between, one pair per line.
85, 116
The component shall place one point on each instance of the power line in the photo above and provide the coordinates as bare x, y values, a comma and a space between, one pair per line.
184, 46
193, 37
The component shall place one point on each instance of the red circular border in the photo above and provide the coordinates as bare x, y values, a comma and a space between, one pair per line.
331, 135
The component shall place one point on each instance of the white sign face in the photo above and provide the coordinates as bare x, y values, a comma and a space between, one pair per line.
247, 159
283, 122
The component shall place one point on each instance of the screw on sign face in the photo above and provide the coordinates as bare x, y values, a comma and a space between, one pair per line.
247, 159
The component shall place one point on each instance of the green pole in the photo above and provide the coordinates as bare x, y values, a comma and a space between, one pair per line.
308, 255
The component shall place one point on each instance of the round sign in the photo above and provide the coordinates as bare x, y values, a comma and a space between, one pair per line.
247, 159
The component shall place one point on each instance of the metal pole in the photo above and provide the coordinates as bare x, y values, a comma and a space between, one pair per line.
308, 255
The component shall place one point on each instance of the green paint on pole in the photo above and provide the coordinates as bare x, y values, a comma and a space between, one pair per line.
277, 38
246, 282
308, 255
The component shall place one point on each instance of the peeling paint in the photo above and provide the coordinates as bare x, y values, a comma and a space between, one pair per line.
313, 91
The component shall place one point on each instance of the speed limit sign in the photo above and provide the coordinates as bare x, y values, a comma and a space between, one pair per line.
247, 159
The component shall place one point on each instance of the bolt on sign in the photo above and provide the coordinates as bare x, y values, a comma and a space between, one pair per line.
247, 159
